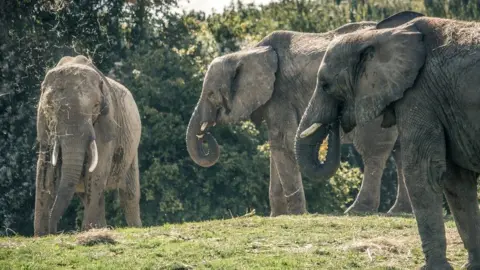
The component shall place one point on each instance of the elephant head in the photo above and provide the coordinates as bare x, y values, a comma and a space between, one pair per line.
235, 86
360, 75
74, 114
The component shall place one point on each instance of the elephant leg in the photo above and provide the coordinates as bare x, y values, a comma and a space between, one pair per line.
402, 202
424, 162
44, 194
94, 212
278, 201
102, 221
83, 199
130, 196
461, 194
375, 146
368, 198
290, 179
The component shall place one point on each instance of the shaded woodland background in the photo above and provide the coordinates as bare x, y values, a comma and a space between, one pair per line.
162, 56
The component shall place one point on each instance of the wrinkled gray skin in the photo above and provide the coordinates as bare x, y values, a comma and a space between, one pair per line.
79, 108
422, 76
274, 81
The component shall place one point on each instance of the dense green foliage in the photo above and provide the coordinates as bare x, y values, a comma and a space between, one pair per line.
161, 56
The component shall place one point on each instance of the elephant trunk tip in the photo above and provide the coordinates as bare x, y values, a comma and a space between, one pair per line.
196, 136
307, 149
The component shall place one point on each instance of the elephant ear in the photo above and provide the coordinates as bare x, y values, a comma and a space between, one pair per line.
389, 63
106, 126
351, 27
253, 80
398, 19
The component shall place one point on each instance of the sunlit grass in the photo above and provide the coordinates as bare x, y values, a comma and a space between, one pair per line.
287, 242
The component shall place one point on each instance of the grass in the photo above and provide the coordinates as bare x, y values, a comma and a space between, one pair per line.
286, 242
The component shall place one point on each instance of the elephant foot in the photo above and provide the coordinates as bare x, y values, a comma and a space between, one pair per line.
361, 208
298, 211
296, 204
439, 266
277, 213
400, 208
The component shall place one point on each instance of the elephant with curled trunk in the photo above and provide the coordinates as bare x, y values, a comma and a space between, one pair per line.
88, 129
423, 77
273, 81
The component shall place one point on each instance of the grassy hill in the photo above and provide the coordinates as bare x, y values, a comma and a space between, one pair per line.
288, 242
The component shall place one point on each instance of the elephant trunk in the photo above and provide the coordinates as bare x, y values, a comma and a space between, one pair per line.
307, 148
312, 133
203, 116
73, 153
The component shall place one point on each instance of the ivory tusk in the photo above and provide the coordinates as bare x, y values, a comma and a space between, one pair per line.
309, 131
204, 126
200, 136
54, 153
94, 151
214, 123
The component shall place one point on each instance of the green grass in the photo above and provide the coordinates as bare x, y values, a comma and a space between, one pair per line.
287, 242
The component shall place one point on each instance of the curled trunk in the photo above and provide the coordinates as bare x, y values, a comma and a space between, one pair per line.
197, 135
307, 148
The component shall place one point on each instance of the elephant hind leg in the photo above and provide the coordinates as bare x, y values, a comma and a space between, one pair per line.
368, 198
402, 202
461, 193
130, 196
278, 202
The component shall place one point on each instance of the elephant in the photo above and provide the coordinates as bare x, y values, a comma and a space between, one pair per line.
422, 77
88, 131
273, 81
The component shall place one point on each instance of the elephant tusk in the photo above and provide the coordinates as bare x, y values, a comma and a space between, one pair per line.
309, 131
204, 126
200, 136
55, 153
94, 151
214, 123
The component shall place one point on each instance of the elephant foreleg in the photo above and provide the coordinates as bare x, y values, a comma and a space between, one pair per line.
94, 211
278, 202
290, 179
423, 143
402, 202
461, 194
44, 194
130, 196
101, 220
368, 198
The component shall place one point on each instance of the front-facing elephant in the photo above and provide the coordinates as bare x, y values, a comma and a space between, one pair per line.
88, 129
273, 81
423, 77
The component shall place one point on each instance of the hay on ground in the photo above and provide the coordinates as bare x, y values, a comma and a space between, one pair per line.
96, 237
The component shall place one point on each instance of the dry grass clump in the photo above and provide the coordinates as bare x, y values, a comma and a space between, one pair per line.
381, 247
95, 237
322, 151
